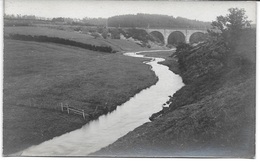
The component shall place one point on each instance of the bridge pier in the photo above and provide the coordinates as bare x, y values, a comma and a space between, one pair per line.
187, 37
165, 41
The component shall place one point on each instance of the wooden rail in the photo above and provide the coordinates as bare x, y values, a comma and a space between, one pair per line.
70, 109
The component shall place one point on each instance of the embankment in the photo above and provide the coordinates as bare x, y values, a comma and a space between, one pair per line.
212, 115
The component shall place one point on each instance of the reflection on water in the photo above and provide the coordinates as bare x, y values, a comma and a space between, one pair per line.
108, 128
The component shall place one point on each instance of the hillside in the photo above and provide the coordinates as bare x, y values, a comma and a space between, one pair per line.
212, 115
116, 45
154, 20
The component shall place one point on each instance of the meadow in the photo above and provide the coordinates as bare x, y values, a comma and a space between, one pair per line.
38, 77
115, 44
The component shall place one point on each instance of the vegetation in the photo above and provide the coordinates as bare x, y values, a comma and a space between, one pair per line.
68, 34
230, 26
60, 41
153, 20
232, 22
138, 34
214, 113
96, 28
13, 19
198, 37
95, 21
38, 76
215, 110
139, 20
225, 43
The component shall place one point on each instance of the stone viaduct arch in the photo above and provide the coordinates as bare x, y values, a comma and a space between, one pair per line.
176, 37
197, 37
158, 35
186, 32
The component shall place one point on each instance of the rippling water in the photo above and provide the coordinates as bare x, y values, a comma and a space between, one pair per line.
108, 128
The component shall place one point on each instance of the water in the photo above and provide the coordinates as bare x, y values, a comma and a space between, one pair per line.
108, 128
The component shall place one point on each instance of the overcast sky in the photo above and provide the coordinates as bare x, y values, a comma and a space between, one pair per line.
204, 11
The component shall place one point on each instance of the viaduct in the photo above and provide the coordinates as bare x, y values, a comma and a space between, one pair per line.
171, 36
174, 35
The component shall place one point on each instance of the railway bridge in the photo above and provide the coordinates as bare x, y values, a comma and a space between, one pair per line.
172, 36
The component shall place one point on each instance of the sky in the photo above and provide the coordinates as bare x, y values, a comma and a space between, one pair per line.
203, 11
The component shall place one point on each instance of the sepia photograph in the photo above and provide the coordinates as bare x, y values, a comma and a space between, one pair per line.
104, 78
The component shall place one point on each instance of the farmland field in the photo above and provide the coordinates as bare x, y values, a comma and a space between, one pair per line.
116, 44
39, 76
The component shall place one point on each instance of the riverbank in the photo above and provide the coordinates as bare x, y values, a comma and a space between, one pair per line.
170, 60
212, 115
109, 128
40, 76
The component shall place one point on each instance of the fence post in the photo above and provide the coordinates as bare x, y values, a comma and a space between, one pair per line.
61, 105
68, 108
83, 114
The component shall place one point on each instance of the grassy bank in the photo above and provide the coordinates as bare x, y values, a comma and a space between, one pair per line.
39, 76
212, 115
115, 44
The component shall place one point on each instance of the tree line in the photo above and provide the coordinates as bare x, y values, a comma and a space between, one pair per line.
61, 41
154, 20
65, 20
139, 20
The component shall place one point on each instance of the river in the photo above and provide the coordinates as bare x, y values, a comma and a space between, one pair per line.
108, 128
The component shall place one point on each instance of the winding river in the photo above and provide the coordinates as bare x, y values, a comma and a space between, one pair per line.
108, 128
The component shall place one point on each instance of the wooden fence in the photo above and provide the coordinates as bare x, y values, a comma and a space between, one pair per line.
69, 109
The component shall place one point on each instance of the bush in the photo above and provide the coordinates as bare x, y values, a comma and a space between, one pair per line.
115, 33
182, 51
104, 34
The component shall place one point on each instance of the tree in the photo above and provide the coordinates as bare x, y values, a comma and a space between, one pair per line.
230, 25
95, 35
58, 19
154, 20
232, 22
104, 34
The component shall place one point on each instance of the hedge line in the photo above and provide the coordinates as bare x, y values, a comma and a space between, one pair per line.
61, 41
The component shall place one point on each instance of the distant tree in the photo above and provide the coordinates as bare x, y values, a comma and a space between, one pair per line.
115, 33
68, 20
154, 20
95, 35
104, 34
58, 19
100, 30
95, 21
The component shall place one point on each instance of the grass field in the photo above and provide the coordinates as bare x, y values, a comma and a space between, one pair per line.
39, 76
116, 44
